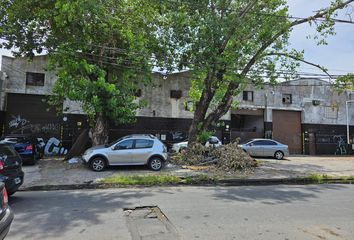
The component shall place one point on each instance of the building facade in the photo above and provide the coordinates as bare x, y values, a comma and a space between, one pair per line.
307, 114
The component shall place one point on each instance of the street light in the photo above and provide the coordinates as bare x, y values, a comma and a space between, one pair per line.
347, 113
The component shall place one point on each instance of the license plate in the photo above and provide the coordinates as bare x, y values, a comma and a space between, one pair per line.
17, 180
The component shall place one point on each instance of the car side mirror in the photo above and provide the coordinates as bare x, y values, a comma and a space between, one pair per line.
250, 144
116, 147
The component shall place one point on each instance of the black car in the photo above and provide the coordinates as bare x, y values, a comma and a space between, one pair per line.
6, 214
10, 168
29, 148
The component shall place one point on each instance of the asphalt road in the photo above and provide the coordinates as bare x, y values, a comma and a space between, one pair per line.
261, 212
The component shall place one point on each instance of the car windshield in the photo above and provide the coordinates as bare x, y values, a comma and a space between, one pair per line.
114, 142
6, 151
246, 141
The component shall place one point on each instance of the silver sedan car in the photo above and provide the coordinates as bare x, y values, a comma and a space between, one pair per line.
265, 148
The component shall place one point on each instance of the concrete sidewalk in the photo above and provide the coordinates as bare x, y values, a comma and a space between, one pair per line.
51, 172
302, 166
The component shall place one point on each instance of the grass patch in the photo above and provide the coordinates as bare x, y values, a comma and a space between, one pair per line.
318, 177
150, 180
141, 180
321, 178
259, 163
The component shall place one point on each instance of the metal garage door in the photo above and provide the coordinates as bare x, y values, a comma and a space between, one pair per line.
287, 129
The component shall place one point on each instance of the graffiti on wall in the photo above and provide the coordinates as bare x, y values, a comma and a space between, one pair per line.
19, 124
340, 145
52, 147
178, 136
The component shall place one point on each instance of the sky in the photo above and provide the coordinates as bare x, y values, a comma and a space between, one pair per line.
337, 56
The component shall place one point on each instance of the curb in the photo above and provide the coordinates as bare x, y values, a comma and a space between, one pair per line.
221, 182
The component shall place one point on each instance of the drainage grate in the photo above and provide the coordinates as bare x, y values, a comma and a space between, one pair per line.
149, 222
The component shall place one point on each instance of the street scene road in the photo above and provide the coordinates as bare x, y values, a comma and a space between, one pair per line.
248, 212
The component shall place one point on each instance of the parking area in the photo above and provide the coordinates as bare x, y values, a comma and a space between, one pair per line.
58, 172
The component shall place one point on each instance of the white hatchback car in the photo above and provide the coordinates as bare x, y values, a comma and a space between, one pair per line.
211, 142
128, 150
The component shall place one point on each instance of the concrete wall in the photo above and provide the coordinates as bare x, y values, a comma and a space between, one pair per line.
158, 100
15, 82
330, 108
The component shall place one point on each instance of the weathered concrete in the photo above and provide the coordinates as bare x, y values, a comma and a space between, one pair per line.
157, 96
302, 166
15, 82
331, 108
223, 213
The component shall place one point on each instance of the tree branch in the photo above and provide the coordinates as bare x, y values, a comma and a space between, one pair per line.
320, 14
233, 29
300, 60
227, 98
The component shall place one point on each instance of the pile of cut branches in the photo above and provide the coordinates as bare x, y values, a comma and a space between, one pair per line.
228, 158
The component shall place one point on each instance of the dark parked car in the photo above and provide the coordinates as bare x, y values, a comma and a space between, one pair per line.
6, 214
29, 148
10, 168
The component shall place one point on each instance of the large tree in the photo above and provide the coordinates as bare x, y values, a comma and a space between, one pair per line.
100, 49
226, 43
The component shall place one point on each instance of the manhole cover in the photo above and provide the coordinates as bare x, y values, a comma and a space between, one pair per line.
149, 222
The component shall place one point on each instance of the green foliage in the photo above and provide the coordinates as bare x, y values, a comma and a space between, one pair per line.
204, 135
345, 83
101, 50
229, 44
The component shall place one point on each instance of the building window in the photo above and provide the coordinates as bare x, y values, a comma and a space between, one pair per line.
35, 79
248, 96
177, 94
287, 99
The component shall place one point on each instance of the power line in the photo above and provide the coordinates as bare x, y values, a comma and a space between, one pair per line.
322, 19
280, 73
262, 76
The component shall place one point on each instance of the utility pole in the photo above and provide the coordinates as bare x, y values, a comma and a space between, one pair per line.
347, 114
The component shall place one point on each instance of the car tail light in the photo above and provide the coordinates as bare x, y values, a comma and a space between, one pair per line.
5, 198
2, 165
29, 148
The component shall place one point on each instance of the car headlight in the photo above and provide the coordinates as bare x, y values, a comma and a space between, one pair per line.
87, 152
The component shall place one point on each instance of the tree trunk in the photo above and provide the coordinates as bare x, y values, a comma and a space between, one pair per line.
100, 130
222, 108
200, 121
201, 109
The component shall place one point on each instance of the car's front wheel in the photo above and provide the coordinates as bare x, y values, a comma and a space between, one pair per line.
155, 164
98, 164
279, 155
